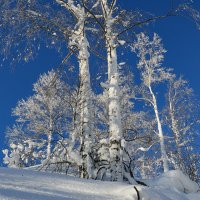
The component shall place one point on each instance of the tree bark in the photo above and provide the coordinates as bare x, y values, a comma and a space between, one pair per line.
115, 124
160, 132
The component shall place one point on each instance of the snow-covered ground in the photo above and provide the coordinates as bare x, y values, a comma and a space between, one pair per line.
25, 184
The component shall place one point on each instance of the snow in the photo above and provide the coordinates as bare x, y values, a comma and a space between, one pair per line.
176, 179
18, 184
32, 12
122, 63
121, 42
172, 185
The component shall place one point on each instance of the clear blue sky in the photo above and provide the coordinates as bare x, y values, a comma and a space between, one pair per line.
180, 38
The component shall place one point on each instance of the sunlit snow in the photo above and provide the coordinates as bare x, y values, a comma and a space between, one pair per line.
18, 184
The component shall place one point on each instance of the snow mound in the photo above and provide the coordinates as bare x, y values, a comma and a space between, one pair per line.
18, 184
172, 185
175, 179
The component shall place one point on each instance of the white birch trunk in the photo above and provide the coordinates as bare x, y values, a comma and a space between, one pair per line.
49, 146
85, 106
115, 124
49, 139
79, 40
160, 132
176, 133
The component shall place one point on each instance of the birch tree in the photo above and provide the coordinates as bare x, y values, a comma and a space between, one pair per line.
183, 120
44, 113
79, 40
115, 123
151, 55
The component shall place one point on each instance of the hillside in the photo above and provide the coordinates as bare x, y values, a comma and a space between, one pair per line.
24, 184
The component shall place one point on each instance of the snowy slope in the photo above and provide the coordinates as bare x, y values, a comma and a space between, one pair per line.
24, 184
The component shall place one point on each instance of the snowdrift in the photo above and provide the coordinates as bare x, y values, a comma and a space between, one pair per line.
29, 185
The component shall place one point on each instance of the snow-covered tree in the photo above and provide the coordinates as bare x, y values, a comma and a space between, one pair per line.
135, 126
183, 120
115, 123
46, 111
23, 154
78, 39
151, 55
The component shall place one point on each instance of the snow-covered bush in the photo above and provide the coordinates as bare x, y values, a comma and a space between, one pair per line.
25, 154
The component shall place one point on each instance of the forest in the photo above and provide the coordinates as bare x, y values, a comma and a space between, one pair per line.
94, 115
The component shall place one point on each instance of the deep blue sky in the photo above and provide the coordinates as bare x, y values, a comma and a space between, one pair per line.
180, 38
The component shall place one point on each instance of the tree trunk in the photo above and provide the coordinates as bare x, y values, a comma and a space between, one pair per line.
115, 124
160, 133
49, 145
49, 139
81, 42
115, 127
176, 135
